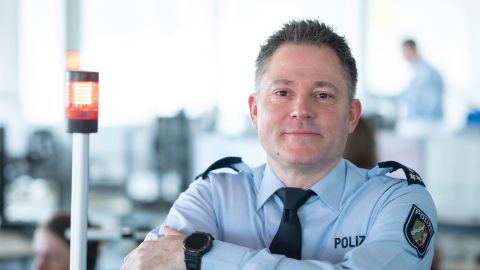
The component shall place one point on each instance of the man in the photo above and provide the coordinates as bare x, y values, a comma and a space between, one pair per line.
423, 97
346, 217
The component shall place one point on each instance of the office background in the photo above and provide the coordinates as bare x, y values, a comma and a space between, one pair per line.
174, 82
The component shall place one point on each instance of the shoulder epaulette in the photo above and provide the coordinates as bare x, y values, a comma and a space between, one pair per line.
412, 176
234, 163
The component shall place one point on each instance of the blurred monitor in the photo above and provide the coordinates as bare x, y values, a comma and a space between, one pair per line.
35, 184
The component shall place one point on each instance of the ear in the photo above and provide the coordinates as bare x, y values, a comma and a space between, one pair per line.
252, 104
354, 114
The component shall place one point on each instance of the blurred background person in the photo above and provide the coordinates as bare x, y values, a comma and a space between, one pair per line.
423, 97
361, 148
52, 247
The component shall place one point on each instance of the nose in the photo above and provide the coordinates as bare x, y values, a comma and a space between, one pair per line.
302, 108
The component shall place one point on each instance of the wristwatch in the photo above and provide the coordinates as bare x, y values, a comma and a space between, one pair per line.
194, 246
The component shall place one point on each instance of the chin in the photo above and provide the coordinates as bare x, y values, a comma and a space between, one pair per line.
305, 161
303, 157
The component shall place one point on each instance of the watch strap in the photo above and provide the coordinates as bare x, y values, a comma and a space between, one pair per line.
193, 262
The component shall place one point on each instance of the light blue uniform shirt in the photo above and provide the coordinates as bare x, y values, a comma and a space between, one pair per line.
356, 221
424, 94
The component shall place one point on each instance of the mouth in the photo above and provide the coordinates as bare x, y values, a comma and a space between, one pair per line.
301, 132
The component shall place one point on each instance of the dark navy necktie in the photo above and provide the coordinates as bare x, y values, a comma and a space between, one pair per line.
288, 240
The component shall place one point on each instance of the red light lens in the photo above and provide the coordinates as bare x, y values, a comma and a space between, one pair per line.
82, 100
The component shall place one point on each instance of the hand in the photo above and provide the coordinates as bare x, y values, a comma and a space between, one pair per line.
164, 253
171, 231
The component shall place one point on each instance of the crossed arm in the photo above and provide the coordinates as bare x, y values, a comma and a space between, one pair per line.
382, 248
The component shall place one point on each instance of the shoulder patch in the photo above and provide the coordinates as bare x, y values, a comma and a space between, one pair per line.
227, 162
412, 176
418, 230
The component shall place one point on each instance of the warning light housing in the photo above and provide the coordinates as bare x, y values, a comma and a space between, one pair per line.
81, 108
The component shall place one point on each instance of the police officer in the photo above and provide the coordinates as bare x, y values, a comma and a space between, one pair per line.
306, 207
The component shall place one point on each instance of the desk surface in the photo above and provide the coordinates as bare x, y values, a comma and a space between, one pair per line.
14, 245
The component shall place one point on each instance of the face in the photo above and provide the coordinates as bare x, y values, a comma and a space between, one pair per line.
51, 252
409, 53
302, 111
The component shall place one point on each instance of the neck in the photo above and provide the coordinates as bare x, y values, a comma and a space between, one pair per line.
300, 175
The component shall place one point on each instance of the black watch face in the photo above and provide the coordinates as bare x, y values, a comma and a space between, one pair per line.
196, 241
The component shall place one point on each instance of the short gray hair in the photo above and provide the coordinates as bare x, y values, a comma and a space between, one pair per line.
314, 33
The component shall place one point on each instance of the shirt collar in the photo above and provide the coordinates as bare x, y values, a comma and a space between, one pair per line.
329, 188
269, 184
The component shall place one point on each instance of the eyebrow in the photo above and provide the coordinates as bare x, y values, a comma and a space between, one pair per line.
316, 83
326, 84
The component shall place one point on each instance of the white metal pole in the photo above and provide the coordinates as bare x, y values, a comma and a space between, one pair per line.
78, 241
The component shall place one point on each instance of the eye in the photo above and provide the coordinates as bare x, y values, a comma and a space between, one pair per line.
281, 93
324, 97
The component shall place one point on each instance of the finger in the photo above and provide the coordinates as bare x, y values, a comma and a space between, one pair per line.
125, 263
171, 231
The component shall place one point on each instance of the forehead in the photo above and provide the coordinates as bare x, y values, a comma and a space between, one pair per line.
297, 62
